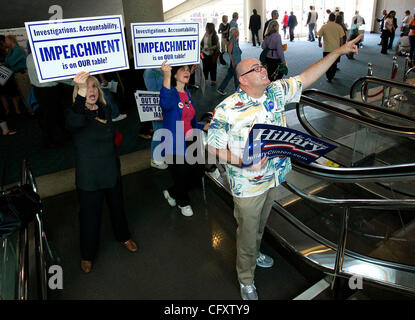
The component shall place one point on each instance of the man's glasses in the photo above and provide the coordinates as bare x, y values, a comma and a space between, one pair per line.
257, 68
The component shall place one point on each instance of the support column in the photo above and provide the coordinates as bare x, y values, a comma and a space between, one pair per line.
140, 11
259, 5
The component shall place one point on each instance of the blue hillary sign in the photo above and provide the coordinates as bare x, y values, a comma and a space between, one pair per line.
275, 141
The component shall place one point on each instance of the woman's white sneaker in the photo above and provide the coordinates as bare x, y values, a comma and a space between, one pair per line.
186, 211
170, 200
159, 164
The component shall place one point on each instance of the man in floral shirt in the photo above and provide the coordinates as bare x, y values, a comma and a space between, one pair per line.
254, 186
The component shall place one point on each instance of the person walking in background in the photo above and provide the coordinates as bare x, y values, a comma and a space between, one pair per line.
209, 44
328, 11
274, 17
275, 54
311, 22
340, 21
382, 24
254, 26
234, 23
224, 31
333, 36
411, 35
10, 88
292, 23
179, 117
97, 167
284, 24
388, 30
16, 61
405, 22
360, 22
394, 27
235, 57
153, 79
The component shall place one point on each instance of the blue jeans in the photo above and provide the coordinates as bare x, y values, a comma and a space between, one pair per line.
111, 102
231, 73
156, 125
311, 31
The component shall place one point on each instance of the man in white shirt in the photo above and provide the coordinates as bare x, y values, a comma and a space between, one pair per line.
254, 186
311, 22
359, 21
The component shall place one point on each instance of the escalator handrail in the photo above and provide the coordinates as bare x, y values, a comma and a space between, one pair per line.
389, 173
358, 105
386, 127
381, 81
28, 178
353, 203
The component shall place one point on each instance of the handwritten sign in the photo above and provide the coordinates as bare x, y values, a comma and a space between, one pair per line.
148, 105
62, 48
156, 42
275, 141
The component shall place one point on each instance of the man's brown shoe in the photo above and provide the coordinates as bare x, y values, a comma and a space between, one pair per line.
131, 246
86, 266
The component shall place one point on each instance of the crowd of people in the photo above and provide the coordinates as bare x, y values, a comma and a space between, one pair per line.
260, 96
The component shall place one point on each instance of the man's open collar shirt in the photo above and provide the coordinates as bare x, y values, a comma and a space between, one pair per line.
233, 120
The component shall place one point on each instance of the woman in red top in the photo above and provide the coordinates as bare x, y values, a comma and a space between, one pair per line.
179, 117
284, 24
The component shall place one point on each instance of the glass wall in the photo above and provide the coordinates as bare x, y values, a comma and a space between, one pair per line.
212, 12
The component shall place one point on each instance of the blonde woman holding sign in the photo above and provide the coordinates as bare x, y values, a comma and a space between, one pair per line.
97, 167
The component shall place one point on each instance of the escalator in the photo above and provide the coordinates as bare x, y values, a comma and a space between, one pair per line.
23, 254
354, 215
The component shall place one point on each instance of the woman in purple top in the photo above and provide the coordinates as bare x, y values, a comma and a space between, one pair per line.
275, 54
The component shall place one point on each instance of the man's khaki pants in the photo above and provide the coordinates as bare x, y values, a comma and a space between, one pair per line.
251, 214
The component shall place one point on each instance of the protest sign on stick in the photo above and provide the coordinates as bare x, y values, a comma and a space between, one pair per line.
153, 43
62, 48
276, 141
148, 105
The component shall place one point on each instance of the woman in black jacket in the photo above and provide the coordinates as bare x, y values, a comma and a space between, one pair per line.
97, 174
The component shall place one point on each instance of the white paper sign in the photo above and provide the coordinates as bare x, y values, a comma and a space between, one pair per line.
178, 43
148, 105
5, 74
62, 48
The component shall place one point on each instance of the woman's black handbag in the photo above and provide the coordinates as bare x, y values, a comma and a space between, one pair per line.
18, 207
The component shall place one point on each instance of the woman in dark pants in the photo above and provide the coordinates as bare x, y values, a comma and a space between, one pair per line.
387, 32
98, 174
179, 117
209, 45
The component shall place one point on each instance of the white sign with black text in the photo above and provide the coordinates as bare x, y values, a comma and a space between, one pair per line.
148, 105
153, 43
5, 74
62, 48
